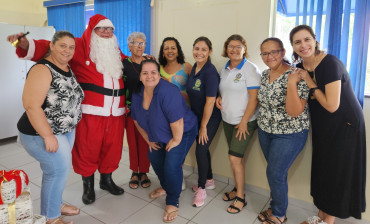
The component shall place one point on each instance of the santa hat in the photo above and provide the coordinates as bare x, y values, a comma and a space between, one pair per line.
104, 23
95, 21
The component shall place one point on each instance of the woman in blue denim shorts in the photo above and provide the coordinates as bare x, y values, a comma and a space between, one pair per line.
283, 124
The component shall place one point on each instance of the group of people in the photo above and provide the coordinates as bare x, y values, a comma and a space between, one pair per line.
166, 106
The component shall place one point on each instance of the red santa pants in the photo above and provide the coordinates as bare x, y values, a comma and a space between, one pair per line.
138, 149
98, 144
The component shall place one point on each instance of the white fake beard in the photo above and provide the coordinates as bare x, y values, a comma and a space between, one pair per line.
106, 55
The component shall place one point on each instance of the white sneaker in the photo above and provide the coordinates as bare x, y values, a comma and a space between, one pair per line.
314, 220
183, 184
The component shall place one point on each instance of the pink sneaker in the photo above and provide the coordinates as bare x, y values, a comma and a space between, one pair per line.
210, 185
200, 196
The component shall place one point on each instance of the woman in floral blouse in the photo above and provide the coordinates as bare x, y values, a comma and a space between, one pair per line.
283, 124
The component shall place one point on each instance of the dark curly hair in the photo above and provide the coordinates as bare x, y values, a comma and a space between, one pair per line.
180, 58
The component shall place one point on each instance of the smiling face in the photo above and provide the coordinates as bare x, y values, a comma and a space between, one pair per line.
304, 44
235, 50
149, 75
63, 49
137, 50
201, 52
170, 51
272, 54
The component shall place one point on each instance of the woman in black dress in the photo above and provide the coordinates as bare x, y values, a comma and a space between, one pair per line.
338, 131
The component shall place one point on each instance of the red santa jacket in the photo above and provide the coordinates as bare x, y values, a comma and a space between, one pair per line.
85, 70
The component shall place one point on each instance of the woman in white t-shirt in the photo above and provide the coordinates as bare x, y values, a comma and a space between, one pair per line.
239, 85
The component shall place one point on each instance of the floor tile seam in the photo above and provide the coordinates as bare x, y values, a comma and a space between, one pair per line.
90, 215
136, 211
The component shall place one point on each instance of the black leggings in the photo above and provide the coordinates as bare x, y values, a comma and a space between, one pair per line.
202, 152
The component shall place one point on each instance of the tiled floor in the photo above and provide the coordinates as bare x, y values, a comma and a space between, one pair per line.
134, 206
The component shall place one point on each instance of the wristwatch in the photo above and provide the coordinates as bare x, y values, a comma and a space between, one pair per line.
312, 90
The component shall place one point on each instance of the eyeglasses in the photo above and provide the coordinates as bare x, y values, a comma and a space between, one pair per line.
102, 29
273, 53
136, 44
238, 47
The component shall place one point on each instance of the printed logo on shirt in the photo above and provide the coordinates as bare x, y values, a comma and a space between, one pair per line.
237, 77
197, 84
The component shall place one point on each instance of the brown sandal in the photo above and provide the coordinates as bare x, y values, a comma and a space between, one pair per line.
157, 193
69, 210
168, 214
58, 221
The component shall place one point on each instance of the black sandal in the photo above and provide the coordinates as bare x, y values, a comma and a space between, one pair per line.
265, 215
145, 181
236, 208
270, 221
134, 182
227, 195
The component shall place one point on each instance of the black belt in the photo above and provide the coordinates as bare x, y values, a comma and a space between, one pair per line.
102, 90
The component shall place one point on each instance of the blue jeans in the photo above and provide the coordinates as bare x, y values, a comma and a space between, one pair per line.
280, 151
55, 169
168, 165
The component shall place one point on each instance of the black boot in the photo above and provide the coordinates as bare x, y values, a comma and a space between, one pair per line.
89, 194
106, 183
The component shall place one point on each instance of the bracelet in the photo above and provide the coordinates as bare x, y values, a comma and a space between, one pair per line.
312, 90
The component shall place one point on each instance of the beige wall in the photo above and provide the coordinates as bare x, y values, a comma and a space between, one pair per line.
23, 12
216, 19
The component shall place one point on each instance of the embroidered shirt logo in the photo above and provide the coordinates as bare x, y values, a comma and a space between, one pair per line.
197, 84
237, 77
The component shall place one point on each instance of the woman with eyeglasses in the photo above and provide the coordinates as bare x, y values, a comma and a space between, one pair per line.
283, 124
239, 85
138, 148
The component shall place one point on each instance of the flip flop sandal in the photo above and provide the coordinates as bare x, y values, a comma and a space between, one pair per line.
156, 194
72, 208
145, 181
227, 195
265, 214
270, 221
236, 208
169, 213
134, 182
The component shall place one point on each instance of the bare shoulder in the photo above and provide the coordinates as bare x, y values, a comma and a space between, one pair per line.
39, 71
188, 68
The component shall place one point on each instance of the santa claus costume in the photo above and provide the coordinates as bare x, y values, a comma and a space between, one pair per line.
97, 64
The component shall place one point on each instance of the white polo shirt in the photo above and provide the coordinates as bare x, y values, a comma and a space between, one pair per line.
234, 86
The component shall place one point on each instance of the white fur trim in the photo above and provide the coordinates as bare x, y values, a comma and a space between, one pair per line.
102, 111
104, 23
31, 50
